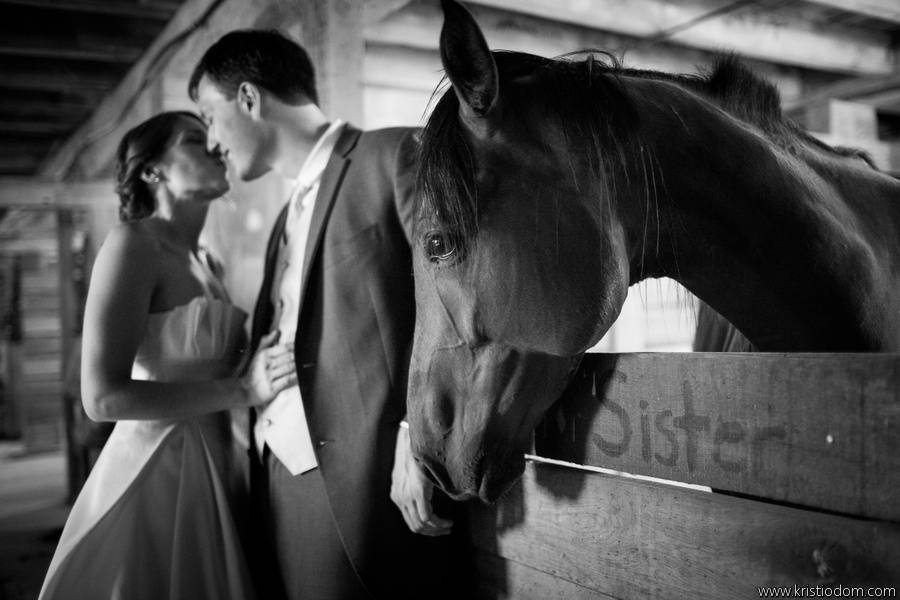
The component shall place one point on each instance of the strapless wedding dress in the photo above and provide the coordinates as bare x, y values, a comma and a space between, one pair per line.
155, 518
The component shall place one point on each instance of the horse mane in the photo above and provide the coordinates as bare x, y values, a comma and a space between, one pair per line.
591, 103
745, 95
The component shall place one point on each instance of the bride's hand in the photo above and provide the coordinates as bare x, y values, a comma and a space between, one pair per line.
271, 370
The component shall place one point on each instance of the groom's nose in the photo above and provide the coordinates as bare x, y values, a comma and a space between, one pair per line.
212, 144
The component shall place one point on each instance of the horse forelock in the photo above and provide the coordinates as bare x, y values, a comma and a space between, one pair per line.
446, 174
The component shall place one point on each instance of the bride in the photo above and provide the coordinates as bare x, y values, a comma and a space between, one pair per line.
162, 345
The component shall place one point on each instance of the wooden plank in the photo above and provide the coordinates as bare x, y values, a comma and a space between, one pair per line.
39, 387
496, 578
842, 119
19, 164
37, 127
39, 283
41, 368
632, 539
874, 91
42, 346
65, 231
417, 27
115, 55
46, 407
41, 326
815, 430
89, 86
26, 192
422, 69
159, 11
43, 437
376, 10
753, 33
54, 107
44, 303
883, 10
386, 107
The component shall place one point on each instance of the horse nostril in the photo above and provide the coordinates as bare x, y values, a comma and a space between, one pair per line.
435, 474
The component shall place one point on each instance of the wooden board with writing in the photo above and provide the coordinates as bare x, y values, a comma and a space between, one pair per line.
818, 430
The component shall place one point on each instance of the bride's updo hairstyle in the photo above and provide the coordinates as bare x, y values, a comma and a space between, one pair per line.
140, 147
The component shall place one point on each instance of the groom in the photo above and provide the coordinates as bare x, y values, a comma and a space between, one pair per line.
346, 511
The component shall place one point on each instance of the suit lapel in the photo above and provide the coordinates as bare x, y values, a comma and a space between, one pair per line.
262, 314
328, 189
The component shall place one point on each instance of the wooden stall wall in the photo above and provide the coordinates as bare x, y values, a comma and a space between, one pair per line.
33, 373
801, 452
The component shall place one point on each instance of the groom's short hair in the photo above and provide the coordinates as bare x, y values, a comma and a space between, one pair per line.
266, 58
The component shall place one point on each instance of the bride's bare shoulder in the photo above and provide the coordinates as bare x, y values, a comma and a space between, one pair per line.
134, 243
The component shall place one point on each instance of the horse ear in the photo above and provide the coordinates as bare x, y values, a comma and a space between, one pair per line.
468, 61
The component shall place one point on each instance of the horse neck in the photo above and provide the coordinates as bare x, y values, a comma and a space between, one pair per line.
798, 251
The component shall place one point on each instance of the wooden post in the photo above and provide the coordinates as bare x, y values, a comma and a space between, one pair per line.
64, 229
332, 32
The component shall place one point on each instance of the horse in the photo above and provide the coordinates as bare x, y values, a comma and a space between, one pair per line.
548, 186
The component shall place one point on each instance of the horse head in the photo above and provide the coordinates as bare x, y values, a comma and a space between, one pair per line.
518, 269
548, 186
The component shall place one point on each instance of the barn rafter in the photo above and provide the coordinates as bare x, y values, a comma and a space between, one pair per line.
749, 29
883, 10
803, 46
159, 10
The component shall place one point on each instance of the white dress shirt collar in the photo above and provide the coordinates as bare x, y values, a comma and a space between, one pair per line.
315, 163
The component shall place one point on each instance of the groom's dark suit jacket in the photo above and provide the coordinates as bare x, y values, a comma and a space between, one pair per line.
352, 350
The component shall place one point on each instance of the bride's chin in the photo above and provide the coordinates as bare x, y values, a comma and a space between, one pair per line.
214, 192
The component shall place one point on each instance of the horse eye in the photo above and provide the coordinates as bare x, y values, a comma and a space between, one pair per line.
438, 246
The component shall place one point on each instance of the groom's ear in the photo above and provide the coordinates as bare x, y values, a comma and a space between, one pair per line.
248, 99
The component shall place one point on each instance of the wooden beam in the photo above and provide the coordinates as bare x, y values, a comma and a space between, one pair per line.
159, 11
883, 10
376, 10
416, 29
29, 146
886, 102
19, 164
113, 54
72, 83
34, 127
862, 90
50, 109
787, 40
27, 192
421, 67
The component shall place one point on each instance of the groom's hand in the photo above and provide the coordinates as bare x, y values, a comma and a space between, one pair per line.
411, 491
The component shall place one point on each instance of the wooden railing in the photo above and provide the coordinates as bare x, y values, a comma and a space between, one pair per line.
792, 466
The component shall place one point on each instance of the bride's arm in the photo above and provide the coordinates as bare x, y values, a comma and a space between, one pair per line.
122, 285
